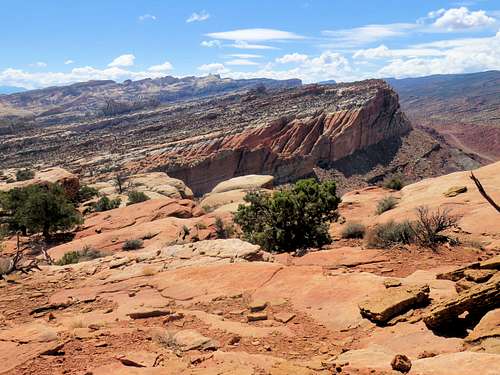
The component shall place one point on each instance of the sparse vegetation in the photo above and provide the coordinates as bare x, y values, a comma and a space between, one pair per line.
86, 193
353, 230
223, 231
72, 257
200, 226
106, 204
37, 209
386, 204
132, 244
24, 174
390, 234
136, 197
430, 225
291, 219
394, 183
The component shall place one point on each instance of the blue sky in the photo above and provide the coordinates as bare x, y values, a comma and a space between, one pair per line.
46, 43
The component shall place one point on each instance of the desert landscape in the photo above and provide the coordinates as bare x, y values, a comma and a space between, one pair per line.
306, 221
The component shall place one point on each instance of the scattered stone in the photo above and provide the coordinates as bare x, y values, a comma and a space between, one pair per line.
463, 284
234, 340
138, 359
256, 306
173, 317
383, 306
253, 317
284, 317
479, 276
454, 191
190, 339
101, 344
401, 363
392, 283
148, 313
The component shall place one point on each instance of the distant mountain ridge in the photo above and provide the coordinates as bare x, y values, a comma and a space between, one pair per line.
6, 90
465, 108
62, 103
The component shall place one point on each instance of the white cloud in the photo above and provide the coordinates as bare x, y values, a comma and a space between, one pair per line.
123, 60
69, 62
39, 64
245, 56
255, 35
18, 77
292, 58
214, 68
383, 52
147, 17
198, 17
367, 34
458, 56
161, 68
211, 43
460, 18
245, 45
241, 62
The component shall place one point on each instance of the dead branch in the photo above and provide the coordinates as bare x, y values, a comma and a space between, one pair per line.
483, 192
15, 262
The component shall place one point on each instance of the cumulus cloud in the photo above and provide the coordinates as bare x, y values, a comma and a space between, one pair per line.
292, 58
460, 18
123, 60
211, 43
198, 17
69, 62
213, 68
161, 68
254, 35
147, 17
458, 56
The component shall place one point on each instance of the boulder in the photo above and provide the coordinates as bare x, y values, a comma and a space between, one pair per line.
401, 363
476, 301
190, 339
161, 183
489, 326
383, 306
247, 182
69, 181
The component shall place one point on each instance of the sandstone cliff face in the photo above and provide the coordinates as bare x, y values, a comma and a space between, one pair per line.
344, 119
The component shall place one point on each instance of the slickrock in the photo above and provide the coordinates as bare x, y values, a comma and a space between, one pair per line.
476, 301
247, 182
381, 307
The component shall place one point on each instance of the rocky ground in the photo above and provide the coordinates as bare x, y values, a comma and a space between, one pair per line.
227, 307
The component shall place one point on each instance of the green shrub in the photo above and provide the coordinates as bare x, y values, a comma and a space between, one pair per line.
390, 234
86, 193
106, 204
291, 219
394, 183
429, 226
24, 174
37, 209
132, 245
72, 257
136, 197
353, 230
386, 204
223, 231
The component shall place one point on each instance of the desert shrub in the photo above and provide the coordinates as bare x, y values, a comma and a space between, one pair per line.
37, 208
185, 231
390, 234
106, 204
222, 230
200, 226
85, 254
394, 183
86, 193
429, 225
24, 174
386, 204
132, 245
136, 197
353, 230
291, 219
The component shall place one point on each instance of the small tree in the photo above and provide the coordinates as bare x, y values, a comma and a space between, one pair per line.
222, 231
136, 197
290, 219
106, 204
86, 193
37, 208
24, 174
